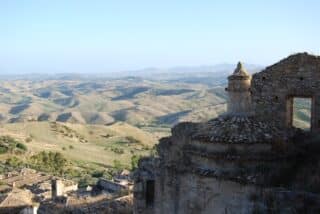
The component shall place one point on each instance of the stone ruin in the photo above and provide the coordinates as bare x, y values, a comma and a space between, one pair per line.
274, 88
60, 187
234, 163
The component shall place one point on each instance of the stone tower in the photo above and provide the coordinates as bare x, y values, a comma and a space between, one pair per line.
57, 188
239, 83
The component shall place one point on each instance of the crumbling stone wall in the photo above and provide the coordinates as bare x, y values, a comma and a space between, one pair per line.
145, 174
60, 187
273, 89
111, 186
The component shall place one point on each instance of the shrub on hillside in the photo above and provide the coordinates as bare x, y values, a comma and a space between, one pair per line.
73, 173
21, 146
14, 162
132, 139
134, 161
84, 182
117, 165
3, 150
97, 174
117, 150
28, 139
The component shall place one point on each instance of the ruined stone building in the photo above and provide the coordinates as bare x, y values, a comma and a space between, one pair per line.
60, 187
274, 88
234, 163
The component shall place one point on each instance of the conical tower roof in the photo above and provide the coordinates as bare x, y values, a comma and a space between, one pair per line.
240, 70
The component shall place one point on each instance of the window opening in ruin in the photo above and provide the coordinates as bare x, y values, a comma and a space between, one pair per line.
150, 192
301, 113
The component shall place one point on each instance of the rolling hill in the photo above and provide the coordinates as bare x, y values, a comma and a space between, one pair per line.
96, 121
135, 100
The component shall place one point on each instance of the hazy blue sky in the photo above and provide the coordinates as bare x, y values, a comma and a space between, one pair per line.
97, 36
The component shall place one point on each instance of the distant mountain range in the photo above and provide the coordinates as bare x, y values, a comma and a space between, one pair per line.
219, 69
225, 67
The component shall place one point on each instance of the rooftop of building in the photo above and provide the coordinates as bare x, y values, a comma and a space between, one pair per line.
236, 129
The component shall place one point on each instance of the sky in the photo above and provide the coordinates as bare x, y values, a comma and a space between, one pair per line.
57, 36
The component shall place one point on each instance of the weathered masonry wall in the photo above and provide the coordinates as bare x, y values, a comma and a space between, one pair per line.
273, 89
111, 186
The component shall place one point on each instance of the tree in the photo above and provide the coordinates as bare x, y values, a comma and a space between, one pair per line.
134, 161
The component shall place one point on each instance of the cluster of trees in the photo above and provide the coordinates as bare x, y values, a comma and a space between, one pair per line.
9, 144
49, 162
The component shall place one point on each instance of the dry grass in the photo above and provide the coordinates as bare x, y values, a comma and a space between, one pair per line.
97, 148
